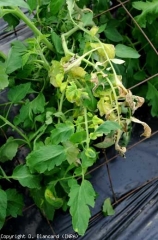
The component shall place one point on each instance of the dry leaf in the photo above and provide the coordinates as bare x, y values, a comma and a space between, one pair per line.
121, 150
147, 129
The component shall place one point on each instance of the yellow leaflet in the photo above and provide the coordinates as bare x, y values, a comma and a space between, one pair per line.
108, 49
77, 72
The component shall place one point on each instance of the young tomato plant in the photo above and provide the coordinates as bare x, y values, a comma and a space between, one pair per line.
71, 103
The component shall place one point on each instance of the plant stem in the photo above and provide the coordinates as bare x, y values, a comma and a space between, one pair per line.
61, 102
86, 127
66, 35
30, 24
16, 129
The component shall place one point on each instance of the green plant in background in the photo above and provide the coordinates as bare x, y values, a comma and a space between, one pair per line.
131, 45
71, 103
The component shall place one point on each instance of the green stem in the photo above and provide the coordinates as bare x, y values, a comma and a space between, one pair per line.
61, 102
66, 35
118, 82
40, 130
4, 175
22, 16
86, 127
45, 62
16, 129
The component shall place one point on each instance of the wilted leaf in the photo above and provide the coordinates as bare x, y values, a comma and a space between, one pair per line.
74, 94
105, 144
56, 73
104, 50
52, 200
147, 129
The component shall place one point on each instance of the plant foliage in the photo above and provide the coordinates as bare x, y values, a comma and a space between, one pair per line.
71, 102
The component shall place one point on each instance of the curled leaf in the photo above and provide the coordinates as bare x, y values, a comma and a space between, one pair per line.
134, 102
139, 101
121, 150
147, 129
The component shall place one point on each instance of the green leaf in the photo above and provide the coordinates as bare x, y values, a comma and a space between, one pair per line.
107, 127
78, 137
62, 132
12, 20
23, 115
52, 200
25, 177
32, 4
104, 128
14, 60
88, 157
55, 6
141, 75
57, 43
123, 51
112, 34
46, 158
149, 12
90, 103
8, 150
107, 208
81, 197
3, 207
19, 92
87, 18
90, 153
37, 105
13, 3
40, 201
152, 97
15, 203
3, 77
71, 152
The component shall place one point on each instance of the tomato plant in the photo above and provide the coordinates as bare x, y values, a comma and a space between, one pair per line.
71, 103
